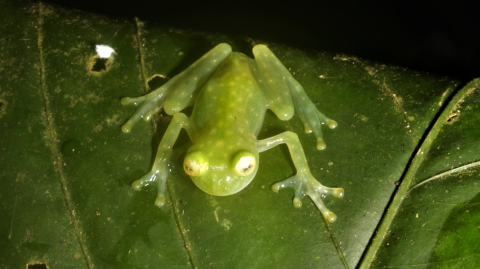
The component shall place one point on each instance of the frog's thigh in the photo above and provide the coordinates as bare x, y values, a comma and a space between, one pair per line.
194, 77
272, 81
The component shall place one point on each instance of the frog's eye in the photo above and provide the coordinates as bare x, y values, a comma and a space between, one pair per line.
192, 167
244, 163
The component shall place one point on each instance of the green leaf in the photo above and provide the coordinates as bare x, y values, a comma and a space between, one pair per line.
66, 200
433, 220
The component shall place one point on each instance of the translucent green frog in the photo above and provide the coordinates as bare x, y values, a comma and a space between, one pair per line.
230, 94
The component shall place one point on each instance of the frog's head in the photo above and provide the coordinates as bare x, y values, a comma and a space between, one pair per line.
221, 176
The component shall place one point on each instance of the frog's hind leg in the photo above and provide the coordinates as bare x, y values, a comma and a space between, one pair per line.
177, 93
311, 117
271, 68
164, 157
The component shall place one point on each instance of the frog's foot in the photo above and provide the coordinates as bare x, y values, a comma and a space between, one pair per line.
313, 120
149, 178
149, 105
307, 185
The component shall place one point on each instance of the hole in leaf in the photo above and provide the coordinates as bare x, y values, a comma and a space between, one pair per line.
3, 105
100, 64
156, 82
452, 117
37, 266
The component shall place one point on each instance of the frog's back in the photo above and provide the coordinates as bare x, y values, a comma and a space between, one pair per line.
231, 102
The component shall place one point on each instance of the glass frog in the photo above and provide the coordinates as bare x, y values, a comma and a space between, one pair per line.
230, 94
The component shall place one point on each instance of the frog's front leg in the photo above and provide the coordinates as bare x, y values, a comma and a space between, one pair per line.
159, 170
178, 92
303, 182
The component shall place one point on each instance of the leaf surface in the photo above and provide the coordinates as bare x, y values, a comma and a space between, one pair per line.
67, 200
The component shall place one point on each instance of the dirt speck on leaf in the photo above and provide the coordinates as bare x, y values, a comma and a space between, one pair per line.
93, 98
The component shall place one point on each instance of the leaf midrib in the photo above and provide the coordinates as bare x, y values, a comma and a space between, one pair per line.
171, 196
52, 138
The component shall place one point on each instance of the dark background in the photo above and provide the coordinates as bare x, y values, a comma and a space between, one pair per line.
437, 37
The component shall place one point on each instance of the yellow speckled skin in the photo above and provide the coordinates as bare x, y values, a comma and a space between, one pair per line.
230, 94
